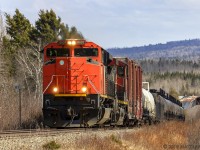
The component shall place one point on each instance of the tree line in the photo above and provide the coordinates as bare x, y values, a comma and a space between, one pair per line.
163, 65
179, 77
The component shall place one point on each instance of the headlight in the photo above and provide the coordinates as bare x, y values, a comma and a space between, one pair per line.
71, 42
55, 89
84, 89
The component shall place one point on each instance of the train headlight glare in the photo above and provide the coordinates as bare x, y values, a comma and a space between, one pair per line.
73, 42
84, 89
55, 89
69, 42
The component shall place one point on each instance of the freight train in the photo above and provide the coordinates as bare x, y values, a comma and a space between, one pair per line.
83, 85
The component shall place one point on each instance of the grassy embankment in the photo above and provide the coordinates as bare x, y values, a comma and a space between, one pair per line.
167, 135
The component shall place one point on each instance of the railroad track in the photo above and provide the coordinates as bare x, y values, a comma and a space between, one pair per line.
48, 132
37, 132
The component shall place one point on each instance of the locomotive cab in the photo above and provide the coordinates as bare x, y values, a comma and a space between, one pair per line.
76, 64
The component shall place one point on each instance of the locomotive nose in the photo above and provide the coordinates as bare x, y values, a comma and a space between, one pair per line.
61, 72
61, 66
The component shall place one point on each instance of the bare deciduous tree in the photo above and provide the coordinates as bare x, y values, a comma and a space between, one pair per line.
30, 61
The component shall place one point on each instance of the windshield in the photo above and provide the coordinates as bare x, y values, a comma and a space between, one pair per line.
57, 52
82, 52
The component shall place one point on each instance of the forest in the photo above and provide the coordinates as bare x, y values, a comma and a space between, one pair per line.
178, 77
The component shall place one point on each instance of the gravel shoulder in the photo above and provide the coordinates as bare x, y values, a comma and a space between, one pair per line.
66, 140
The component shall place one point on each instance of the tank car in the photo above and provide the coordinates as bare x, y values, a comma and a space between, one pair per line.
167, 107
149, 107
159, 106
83, 85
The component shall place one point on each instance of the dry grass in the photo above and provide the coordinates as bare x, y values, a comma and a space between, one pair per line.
9, 107
166, 135
99, 143
156, 137
194, 134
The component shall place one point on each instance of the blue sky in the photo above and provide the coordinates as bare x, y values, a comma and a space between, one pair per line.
120, 23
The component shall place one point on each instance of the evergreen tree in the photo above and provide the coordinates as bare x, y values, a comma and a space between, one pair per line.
74, 34
64, 31
19, 28
47, 27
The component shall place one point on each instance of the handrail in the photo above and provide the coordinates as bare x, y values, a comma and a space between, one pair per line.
93, 85
51, 82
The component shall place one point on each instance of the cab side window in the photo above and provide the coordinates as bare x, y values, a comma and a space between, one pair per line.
57, 52
84, 52
120, 71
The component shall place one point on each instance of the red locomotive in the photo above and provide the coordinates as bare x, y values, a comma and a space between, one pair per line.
83, 85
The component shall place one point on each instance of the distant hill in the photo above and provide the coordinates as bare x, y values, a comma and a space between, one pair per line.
186, 49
